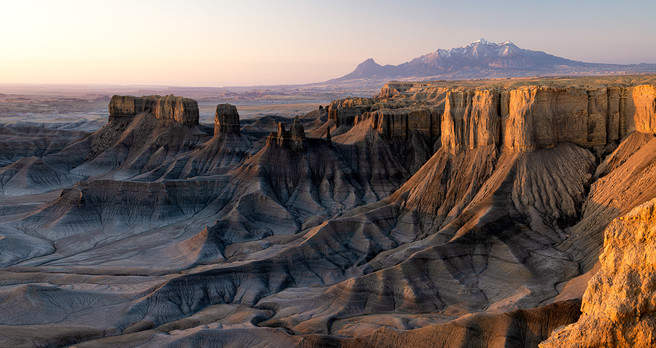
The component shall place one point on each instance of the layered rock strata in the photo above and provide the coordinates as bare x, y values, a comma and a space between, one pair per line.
619, 305
471, 119
518, 328
399, 123
182, 110
343, 112
226, 119
517, 119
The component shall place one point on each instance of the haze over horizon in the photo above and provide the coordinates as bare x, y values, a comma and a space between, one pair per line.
205, 43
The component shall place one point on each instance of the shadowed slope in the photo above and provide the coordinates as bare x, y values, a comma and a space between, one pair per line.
469, 261
627, 178
23, 140
33, 176
122, 150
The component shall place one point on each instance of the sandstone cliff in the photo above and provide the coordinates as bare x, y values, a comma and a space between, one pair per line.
471, 119
545, 116
517, 119
399, 123
182, 110
226, 119
344, 111
619, 306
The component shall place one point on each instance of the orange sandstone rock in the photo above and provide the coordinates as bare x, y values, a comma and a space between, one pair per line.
619, 305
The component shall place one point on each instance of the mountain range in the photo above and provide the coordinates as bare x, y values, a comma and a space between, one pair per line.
484, 59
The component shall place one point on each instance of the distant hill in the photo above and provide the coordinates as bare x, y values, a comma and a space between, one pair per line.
484, 59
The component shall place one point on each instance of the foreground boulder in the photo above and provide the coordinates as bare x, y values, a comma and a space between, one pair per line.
619, 305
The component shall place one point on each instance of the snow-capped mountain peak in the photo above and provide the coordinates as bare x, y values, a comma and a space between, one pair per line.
479, 59
480, 41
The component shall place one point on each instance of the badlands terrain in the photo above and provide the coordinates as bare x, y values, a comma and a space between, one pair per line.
481, 213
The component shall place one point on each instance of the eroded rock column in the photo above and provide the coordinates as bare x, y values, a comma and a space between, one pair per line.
226, 119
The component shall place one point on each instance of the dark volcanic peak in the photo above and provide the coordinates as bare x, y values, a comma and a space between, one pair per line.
484, 59
369, 68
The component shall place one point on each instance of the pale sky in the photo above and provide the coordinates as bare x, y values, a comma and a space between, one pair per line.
259, 42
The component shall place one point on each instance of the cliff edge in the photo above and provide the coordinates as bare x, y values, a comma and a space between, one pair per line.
514, 118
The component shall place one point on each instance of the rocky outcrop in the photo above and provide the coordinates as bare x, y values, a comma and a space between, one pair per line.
293, 139
528, 118
182, 110
344, 111
226, 119
516, 119
619, 305
398, 123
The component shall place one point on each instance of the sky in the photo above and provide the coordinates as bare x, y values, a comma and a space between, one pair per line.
264, 42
